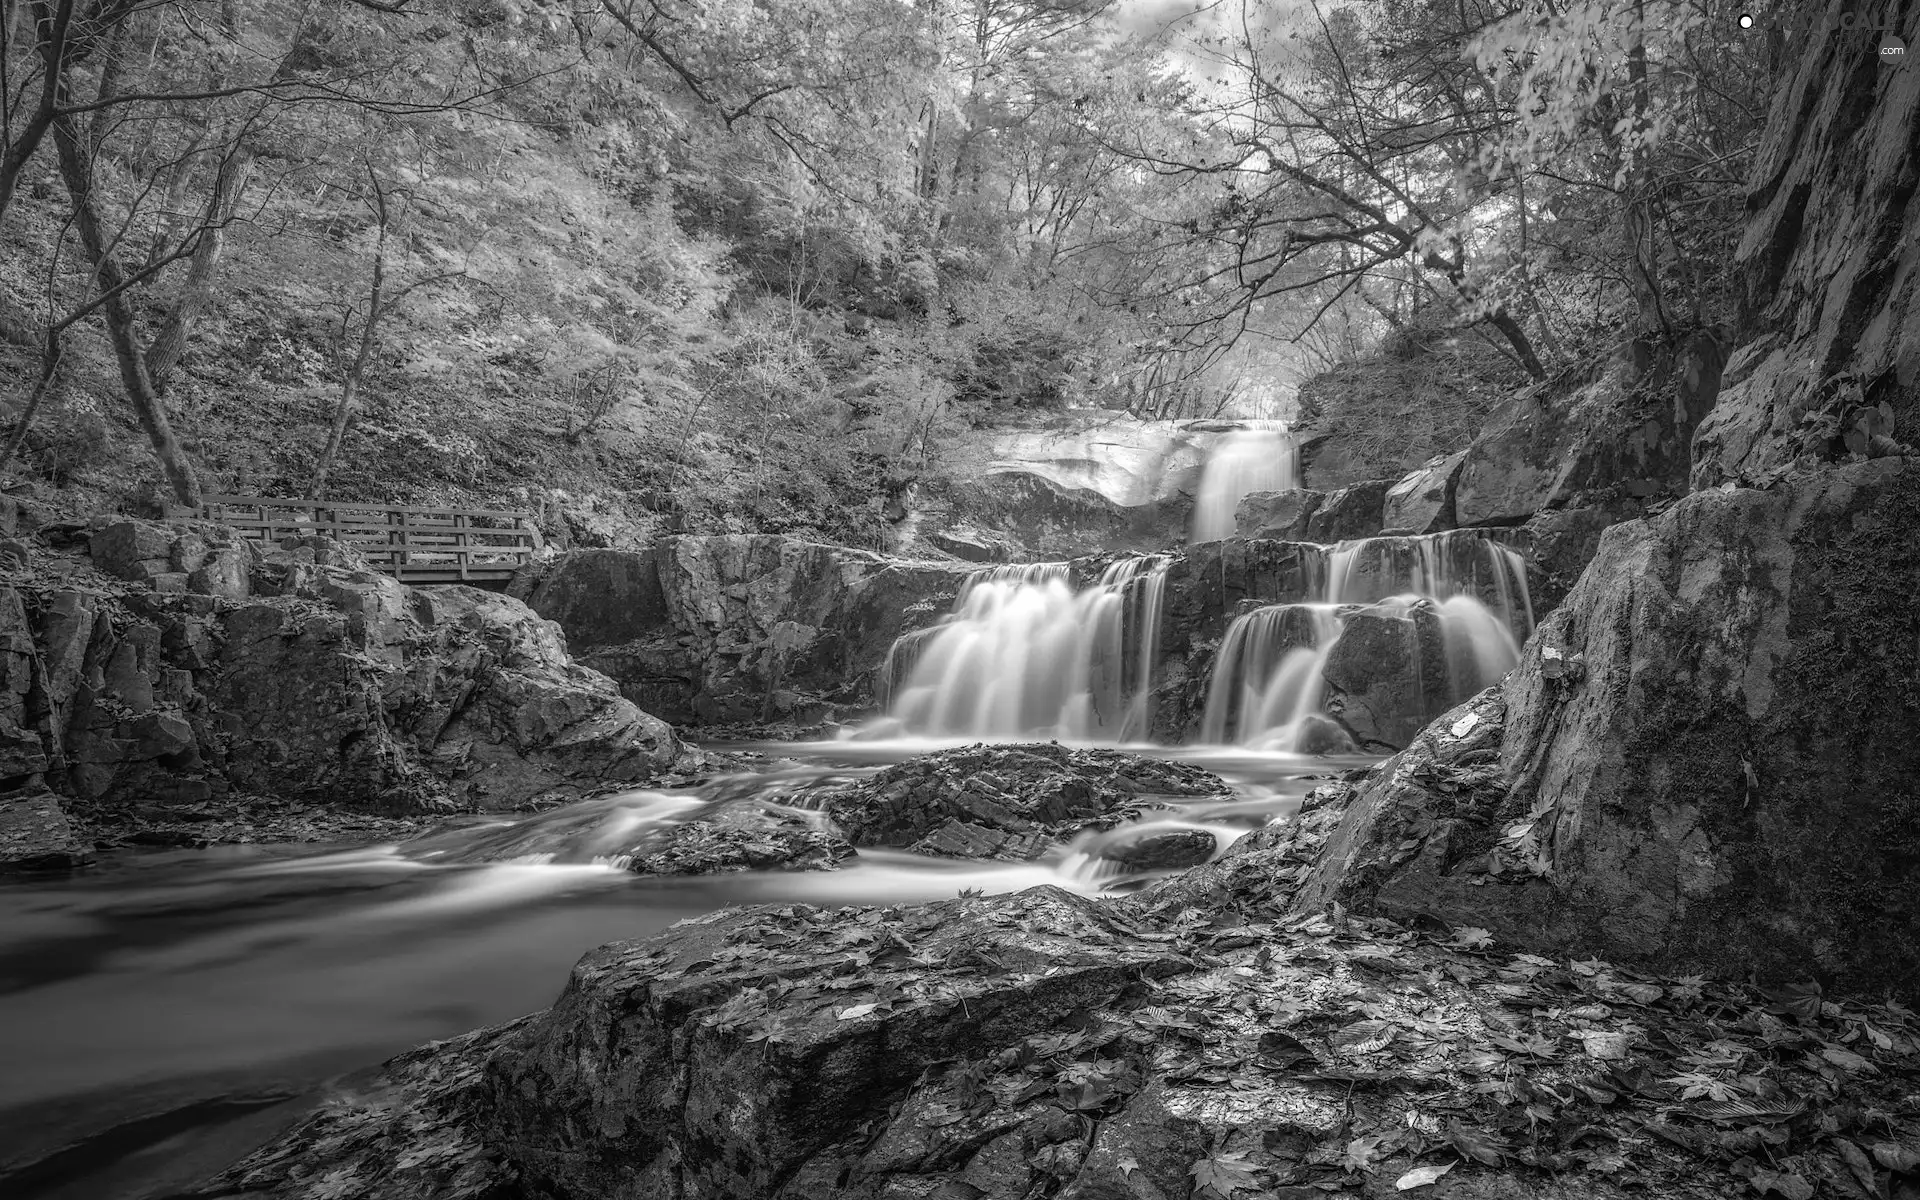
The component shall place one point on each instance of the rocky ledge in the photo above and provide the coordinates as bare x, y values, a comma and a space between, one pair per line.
178, 684
1045, 1045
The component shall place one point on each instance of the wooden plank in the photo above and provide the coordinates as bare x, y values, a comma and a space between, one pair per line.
369, 506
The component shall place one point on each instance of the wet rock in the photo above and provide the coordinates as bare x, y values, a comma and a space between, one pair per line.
1280, 515
1721, 780
416, 1133
741, 628
1006, 802
1172, 850
657, 1048
1040, 1045
742, 836
1355, 511
1561, 542
35, 835
1386, 674
1320, 734
1422, 501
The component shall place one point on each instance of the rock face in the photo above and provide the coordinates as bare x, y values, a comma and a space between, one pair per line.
1042, 1046
1282, 516
1384, 676
35, 835
739, 628
1007, 802
1029, 517
1724, 778
1422, 501
1828, 262
1619, 426
307, 676
1355, 511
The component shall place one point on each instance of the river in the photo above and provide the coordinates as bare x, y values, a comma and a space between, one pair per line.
166, 1010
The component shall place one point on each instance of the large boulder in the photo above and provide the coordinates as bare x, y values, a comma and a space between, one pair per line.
1422, 501
1007, 802
1707, 755
1829, 262
36, 835
1042, 1046
1386, 674
740, 628
1355, 511
1279, 515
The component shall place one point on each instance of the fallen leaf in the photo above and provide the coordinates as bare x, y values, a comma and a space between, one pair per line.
1895, 1157
1604, 1046
1781, 1183
857, 1011
1847, 1060
1361, 1153
1472, 937
1222, 1174
1420, 1177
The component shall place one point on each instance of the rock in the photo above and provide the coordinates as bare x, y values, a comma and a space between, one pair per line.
35, 835
1044, 1045
1323, 735
1174, 849
129, 549
741, 628
1387, 674
1041, 518
224, 573
1280, 515
1826, 266
1562, 541
651, 1051
1721, 781
434, 1101
1617, 426
1005, 802
741, 836
1355, 511
1422, 501
971, 545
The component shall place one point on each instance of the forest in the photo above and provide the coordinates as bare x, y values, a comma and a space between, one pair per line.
758, 267
959, 600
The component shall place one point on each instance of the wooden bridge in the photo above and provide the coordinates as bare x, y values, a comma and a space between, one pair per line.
415, 544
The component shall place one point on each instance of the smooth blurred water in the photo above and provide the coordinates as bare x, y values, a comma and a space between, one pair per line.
154, 1010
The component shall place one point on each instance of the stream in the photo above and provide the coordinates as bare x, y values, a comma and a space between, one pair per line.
166, 1010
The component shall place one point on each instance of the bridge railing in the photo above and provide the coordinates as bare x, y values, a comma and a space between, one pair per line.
416, 543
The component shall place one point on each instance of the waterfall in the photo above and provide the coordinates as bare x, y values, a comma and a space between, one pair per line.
1023, 655
1460, 591
1244, 461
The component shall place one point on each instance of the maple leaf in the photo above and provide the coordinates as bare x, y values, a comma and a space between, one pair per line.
1361, 1153
1697, 1085
1781, 1183
1472, 937
1222, 1173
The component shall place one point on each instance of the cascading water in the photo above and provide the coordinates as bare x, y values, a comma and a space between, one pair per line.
1460, 593
1025, 655
1244, 461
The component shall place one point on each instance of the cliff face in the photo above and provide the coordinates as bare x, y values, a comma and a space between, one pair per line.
1830, 260
296, 673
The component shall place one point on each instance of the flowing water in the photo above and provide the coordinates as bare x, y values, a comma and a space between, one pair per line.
1461, 592
165, 1011
1244, 461
1026, 655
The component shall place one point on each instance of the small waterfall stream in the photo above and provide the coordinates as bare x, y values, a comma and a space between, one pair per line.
1244, 461
1025, 655
1458, 600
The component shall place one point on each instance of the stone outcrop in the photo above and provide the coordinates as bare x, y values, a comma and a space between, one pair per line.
305, 675
1282, 516
1423, 500
1386, 674
1042, 1046
739, 628
1619, 426
1007, 802
35, 835
1829, 263
1706, 759
1355, 511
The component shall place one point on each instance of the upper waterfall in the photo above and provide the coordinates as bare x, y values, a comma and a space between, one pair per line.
1242, 462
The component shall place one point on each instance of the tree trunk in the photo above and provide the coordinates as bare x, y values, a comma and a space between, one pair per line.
343, 411
49, 366
171, 339
76, 168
